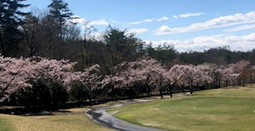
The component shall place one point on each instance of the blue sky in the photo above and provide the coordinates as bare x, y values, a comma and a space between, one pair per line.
189, 25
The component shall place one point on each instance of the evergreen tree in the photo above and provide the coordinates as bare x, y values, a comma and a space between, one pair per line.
10, 20
60, 12
122, 46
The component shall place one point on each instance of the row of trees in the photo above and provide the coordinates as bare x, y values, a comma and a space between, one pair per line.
148, 74
26, 77
35, 82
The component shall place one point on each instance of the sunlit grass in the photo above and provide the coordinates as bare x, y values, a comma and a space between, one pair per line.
228, 109
75, 120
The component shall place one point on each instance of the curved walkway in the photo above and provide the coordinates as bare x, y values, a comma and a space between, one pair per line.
100, 116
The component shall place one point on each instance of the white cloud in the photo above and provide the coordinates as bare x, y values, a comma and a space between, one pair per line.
190, 15
222, 21
237, 43
148, 20
99, 22
175, 16
140, 22
138, 31
162, 30
114, 21
77, 19
162, 19
245, 27
85, 23
96, 36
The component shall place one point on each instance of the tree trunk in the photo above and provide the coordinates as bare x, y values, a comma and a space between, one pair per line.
170, 91
2, 44
148, 91
161, 94
191, 90
112, 93
90, 100
130, 96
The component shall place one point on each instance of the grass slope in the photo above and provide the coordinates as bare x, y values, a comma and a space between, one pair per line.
75, 120
231, 109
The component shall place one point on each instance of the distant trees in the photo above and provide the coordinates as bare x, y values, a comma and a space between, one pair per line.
218, 56
164, 53
34, 34
53, 34
121, 45
50, 33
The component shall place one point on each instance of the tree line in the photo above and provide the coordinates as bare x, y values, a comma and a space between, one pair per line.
54, 34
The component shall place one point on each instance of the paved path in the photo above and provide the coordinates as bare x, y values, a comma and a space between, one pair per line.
100, 116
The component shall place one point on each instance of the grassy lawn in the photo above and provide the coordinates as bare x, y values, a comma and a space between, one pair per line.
228, 109
72, 120
5, 125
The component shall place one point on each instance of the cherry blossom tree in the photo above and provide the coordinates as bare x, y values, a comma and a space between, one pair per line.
252, 74
149, 72
122, 78
244, 71
90, 78
229, 77
216, 73
189, 75
15, 72
51, 69
204, 77
173, 77
146, 72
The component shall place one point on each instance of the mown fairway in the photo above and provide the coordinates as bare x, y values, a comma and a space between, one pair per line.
75, 120
231, 109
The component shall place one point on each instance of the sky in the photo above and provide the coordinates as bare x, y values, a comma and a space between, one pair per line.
188, 25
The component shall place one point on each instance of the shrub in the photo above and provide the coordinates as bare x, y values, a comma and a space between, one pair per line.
37, 97
42, 95
59, 95
78, 92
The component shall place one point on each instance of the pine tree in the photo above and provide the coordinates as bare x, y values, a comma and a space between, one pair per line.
10, 20
60, 12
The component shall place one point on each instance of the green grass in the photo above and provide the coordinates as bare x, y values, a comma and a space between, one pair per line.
5, 125
75, 120
228, 109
